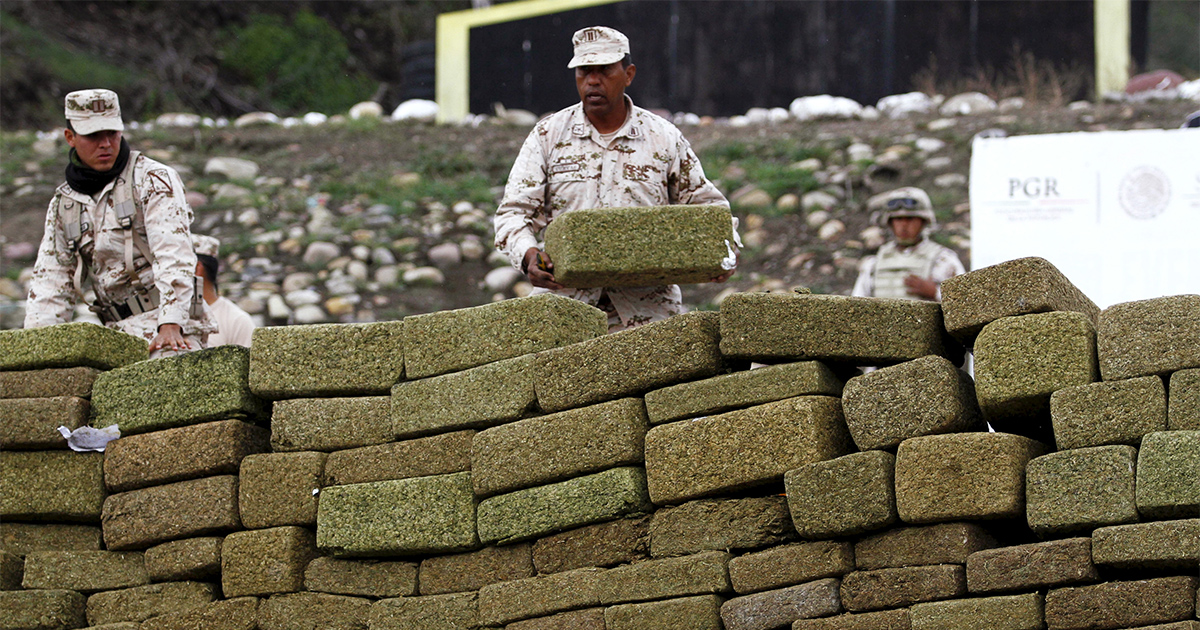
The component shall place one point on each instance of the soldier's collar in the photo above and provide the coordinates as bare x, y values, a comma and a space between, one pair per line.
632, 128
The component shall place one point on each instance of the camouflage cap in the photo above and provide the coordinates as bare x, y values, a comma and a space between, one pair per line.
90, 111
903, 202
598, 46
205, 245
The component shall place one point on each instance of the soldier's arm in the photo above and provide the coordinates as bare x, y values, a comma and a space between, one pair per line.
168, 219
52, 290
522, 212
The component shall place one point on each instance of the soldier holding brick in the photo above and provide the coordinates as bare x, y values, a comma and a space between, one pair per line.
911, 266
603, 152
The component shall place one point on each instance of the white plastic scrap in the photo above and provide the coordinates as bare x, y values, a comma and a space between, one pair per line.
89, 439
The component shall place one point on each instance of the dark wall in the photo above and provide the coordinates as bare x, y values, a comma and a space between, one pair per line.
722, 57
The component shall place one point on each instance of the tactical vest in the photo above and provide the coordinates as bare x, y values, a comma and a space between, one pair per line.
892, 266
79, 232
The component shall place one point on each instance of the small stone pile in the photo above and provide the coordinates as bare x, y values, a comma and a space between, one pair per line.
511, 466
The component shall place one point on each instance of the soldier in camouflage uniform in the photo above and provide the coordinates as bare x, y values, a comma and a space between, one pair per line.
121, 219
603, 152
910, 267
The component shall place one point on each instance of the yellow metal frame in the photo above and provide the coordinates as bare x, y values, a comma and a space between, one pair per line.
453, 73
1113, 59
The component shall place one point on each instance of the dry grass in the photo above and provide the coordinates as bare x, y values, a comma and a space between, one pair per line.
1035, 80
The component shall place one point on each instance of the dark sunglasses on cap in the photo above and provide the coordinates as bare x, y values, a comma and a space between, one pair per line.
902, 202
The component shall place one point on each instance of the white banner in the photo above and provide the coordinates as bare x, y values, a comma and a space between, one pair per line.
1118, 212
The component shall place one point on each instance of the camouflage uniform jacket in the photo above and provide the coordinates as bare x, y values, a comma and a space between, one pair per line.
165, 222
565, 165
942, 263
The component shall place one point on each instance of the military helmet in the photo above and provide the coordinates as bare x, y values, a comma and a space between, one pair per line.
903, 202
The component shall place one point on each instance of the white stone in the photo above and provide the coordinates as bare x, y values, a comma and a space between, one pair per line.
387, 276
739, 121
46, 147
230, 191
816, 219
252, 305
522, 289
788, 202
310, 314
424, 275
873, 236
1011, 104
277, 308
366, 109
462, 207
941, 124
416, 109
320, 252
755, 198
903, 105
1189, 90
361, 252
502, 279
778, 115
832, 230
758, 115
274, 236
860, 151
497, 258
950, 180
256, 118
178, 119
968, 104
824, 106
870, 113
519, 117
301, 297
299, 280
929, 145
231, 168
472, 248
1079, 106
445, 254
811, 164
320, 221
313, 119
383, 256
357, 269
938, 163
819, 200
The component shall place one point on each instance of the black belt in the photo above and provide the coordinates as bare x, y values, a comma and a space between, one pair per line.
135, 304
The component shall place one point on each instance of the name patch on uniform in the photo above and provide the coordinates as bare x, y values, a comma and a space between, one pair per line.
565, 168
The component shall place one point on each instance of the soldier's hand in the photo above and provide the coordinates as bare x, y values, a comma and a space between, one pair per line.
921, 287
540, 269
729, 274
170, 337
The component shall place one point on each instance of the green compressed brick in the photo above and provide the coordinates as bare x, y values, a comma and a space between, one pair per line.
326, 360
32, 423
187, 559
1032, 567
313, 610
22, 538
1017, 287
52, 486
224, 614
78, 344
449, 341
48, 383
586, 619
1157, 545
897, 619
848, 495
699, 612
330, 424
741, 449
148, 516
1115, 605
640, 247
1021, 361
192, 388
505, 602
535, 512
1183, 405
1112, 412
925, 396
1080, 489
423, 515
835, 328
741, 389
1006, 612
140, 603
790, 564
266, 561
1168, 475
720, 524
423, 457
84, 571
706, 572
277, 489
365, 578
472, 399
558, 446
963, 476
781, 607
864, 591
43, 610
630, 362
1158, 336
457, 611
944, 543
202, 450
622, 541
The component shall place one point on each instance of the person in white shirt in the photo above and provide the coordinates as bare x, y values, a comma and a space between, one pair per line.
234, 325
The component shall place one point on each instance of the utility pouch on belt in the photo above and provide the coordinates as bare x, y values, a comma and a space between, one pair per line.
135, 304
